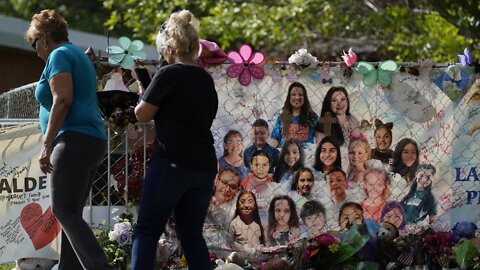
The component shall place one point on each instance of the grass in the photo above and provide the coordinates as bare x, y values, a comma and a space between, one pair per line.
7, 266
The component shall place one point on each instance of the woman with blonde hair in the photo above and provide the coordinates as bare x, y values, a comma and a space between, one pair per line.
74, 139
182, 101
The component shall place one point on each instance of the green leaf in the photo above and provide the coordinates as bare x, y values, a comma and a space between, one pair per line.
464, 253
351, 243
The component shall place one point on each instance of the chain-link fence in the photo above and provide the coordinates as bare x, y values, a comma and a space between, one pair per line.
438, 114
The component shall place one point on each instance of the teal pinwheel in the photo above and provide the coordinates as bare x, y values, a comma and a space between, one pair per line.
127, 53
372, 75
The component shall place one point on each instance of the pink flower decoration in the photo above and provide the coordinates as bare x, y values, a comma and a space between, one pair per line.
325, 239
350, 58
245, 65
276, 235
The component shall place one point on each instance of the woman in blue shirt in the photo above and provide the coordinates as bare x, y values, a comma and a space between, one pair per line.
74, 140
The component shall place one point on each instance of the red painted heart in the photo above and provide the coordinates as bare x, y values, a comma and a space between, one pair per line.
41, 228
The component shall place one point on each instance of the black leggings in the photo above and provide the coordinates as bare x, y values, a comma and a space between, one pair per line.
75, 159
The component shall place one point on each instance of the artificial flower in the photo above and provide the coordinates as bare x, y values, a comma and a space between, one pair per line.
124, 238
245, 65
127, 53
325, 239
112, 235
302, 58
135, 176
349, 58
122, 226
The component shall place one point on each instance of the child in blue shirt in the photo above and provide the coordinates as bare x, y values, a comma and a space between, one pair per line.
260, 135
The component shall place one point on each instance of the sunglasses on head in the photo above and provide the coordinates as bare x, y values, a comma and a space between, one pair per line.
34, 43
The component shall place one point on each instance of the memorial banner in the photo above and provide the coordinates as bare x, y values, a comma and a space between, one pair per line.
27, 225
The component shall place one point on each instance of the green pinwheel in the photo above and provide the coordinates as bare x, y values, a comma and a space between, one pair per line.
127, 53
380, 75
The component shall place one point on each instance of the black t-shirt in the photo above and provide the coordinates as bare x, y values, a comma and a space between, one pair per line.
187, 105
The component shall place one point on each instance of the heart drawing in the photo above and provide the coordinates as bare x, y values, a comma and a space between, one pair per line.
41, 228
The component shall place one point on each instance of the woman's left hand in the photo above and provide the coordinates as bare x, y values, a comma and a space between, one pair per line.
44, 160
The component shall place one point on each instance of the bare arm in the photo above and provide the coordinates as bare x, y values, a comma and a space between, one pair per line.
145, 111
61, 86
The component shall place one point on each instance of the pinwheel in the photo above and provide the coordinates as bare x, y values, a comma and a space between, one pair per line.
245, 65
466, 58
381, 75
127, 53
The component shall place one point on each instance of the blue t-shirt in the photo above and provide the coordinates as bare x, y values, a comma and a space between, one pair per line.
303, 134
83, 115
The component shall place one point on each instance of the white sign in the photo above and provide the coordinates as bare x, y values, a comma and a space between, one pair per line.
27, 225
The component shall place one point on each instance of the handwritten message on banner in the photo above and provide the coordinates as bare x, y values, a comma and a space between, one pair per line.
27, 225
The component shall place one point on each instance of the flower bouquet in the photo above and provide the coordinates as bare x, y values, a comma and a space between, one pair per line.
322, 252
117, 243
135, 176
439, 247
326, 251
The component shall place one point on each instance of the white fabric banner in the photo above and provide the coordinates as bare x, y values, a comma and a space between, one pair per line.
27, 225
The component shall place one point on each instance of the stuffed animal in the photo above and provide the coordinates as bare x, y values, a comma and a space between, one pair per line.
33, 264
387, 232
237, 259
227, 266
463, 230
386, 246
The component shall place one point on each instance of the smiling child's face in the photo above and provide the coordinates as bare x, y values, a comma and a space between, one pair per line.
305, 183
293, 155
246, 203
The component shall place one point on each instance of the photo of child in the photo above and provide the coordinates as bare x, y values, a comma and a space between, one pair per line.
302, 188
383, 142
226, 186
313, 215
258, 179
283, 224
375, 184
352, 212
358, 155
260, 134
406, 159
291, 159
232, 153
420, 204
327, 156
259, 182
394, 213
246, 229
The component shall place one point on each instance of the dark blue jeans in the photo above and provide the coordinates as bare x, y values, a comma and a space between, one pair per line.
170, 188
